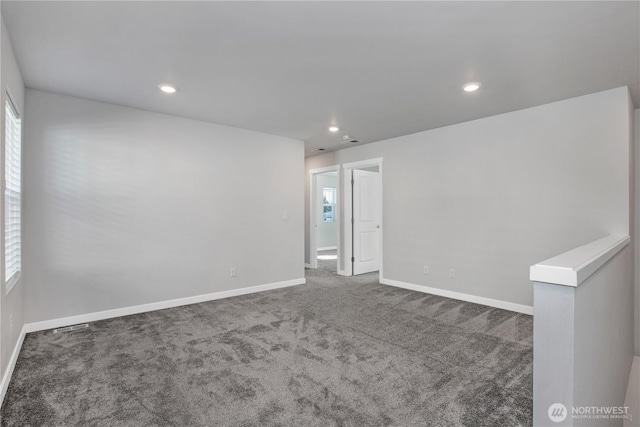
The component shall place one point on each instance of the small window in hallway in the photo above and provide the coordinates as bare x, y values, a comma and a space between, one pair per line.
329, 204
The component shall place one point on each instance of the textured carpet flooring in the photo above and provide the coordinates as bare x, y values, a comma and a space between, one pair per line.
334, 352
328, 260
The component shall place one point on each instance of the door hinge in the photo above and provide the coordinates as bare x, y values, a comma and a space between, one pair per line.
353, 221
352, 182
353, 259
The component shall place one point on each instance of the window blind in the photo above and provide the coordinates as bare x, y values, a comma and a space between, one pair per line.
12, 194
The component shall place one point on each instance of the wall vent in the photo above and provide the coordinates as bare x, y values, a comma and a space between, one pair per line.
70, 328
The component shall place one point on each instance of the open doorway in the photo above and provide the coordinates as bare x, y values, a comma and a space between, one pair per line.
363, 216
327, 232
325, 218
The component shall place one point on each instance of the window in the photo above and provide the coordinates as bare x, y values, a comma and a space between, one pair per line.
12, 195
328, 204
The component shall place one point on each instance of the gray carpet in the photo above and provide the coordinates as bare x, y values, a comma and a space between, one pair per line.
328, 260
335, 352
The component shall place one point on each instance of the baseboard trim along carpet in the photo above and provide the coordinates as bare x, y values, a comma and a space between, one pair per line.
345, 351
137, 309
12, 364
126, 311
519, 308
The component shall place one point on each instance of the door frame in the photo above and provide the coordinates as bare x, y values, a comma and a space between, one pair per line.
348, 212
313, 217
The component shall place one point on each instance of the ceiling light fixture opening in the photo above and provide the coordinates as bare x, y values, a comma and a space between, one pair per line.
167, 88
334, 128
321, 149
471, 87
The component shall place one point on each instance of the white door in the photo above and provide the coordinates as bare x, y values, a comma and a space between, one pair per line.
366, 221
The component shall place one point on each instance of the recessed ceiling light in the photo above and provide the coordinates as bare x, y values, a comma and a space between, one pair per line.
167, 88
334, 128
321, 149
471, 87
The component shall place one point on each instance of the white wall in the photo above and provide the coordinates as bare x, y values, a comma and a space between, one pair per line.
11, 304
126, 207
493, 196
637, 230
327, 231
603, 340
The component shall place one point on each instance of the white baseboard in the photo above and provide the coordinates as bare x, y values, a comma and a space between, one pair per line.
307, 265
126, 311
342, 273
6, 378
520, 308
108, 314
327, 248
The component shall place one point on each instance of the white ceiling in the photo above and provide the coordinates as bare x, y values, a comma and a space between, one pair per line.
377, 69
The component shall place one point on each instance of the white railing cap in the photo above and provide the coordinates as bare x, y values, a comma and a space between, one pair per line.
573, 267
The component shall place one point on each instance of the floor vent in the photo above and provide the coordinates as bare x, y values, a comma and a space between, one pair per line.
71, 328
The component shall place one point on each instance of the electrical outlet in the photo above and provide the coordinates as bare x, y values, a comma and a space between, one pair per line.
452, 273
426, 269
234, 272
